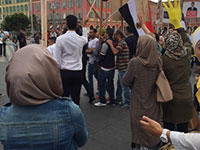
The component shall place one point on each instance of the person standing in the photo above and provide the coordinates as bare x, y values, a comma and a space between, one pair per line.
92, 58
122, 53
141, 76
176, 65
68, 55
106, 75
131, 41
22, 39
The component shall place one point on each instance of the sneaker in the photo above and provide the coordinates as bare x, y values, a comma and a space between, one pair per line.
125, 105
111, 104
2, 95
99, 104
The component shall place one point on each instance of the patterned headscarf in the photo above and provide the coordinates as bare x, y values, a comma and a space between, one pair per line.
174, 46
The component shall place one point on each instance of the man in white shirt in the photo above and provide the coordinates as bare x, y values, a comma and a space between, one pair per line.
92, 58
68, 55
51, 47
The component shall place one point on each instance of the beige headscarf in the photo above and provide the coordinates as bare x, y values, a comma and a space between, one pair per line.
33, 77
147, 51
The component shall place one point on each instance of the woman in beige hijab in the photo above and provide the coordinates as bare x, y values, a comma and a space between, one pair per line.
141, 77
38, 118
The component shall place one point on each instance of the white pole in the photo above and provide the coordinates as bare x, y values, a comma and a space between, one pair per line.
44, 22
90, 8
111, 15
31, 11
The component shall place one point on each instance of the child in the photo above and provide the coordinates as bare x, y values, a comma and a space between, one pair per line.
197, 105
15, 43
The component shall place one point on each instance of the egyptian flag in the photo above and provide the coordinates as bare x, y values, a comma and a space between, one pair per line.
129, 13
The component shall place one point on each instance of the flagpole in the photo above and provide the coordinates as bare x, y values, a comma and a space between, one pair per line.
122, 21
101, 26
44, 22
91, 8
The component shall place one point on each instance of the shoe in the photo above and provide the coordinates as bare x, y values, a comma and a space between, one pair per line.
99, 104
125, 105
111, 104
2, 95
91, 100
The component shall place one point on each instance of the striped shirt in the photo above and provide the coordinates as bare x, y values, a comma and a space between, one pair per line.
122, 56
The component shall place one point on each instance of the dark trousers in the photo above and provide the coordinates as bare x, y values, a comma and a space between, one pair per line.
72, 81
181, 127
1, 46
106, 78
4, 48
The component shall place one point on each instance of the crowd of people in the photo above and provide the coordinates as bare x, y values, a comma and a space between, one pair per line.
44, 86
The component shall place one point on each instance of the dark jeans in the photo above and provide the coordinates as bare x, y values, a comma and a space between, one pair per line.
4, 48
106, 77
1, 46
181, 127
90, 78
72, 81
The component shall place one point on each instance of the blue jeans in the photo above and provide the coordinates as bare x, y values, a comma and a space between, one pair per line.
58, 124
121, 87
106, 77
90, 78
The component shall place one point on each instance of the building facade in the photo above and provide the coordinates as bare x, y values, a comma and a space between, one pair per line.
9, 7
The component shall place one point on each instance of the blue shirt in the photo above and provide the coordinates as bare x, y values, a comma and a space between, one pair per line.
58, 124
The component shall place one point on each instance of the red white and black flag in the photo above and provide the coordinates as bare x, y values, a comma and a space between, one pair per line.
129, 12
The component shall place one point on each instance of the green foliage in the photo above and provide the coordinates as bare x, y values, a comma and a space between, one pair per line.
15, 22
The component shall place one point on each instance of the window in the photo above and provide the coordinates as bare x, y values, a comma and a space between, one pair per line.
71, 3
108, 5
17, 7
64, 4
14, 9
38, 17
57, 16
11, 9
104, 5
50, 16
6, 9
78, 3
38, 7
49, 5
97, 3
91, 14
0, 10
64, 15
79, 15
26, 7
103, 16
22, 7
57, 4
108, 15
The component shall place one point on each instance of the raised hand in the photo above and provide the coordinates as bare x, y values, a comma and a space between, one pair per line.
174, 13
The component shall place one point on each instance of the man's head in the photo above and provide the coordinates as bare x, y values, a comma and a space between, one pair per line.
119, 35
189, 30
192, 4
92, 33
52, 40
128, 30
109, 33
71, 21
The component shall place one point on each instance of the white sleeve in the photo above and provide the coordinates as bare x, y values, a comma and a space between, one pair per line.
85, 35
58, 52
182, 141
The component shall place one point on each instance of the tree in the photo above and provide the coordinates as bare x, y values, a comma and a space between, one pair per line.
15, 22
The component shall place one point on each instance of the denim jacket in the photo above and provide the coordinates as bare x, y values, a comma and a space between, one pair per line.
55, 125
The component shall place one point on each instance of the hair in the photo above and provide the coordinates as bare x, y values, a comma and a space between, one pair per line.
109, 32
79, 30
192, 3
120, 33
94, 30
53, 39
71, 21
197, 71
128, 29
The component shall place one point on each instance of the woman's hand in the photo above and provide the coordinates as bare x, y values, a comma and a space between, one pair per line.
174, 13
